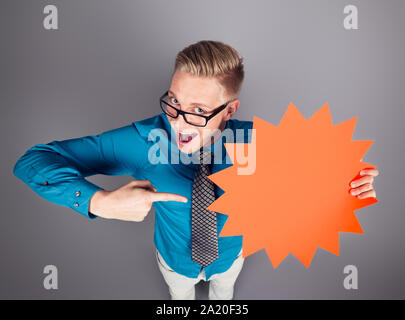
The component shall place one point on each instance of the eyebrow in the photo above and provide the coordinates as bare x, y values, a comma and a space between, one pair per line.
193, 103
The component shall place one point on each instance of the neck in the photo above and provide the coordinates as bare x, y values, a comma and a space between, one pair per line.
221, 129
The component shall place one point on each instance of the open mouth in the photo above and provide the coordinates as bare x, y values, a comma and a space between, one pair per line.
185, 138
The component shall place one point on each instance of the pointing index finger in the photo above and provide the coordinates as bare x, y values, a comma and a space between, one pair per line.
167, 196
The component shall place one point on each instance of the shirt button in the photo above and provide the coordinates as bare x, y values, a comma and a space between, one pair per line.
76, 204
77, 193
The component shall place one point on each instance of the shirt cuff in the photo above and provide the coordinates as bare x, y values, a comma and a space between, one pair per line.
79, 197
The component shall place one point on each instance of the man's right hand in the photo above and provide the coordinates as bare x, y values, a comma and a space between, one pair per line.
131, 202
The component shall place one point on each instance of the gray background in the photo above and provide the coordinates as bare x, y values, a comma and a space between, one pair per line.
107, 65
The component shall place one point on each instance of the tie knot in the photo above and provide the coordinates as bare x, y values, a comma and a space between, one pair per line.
206, 156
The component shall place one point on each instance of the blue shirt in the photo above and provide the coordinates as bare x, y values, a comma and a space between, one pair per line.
56, 171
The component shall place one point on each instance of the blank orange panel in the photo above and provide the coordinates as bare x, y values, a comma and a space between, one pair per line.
297, 199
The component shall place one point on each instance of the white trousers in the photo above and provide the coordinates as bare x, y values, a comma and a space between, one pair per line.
183, 288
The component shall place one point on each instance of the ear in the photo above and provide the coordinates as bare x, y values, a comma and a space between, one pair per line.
231, 109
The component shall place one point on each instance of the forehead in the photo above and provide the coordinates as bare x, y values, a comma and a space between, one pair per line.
193, 89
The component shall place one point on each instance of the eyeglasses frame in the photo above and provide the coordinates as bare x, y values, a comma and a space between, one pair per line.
180, 112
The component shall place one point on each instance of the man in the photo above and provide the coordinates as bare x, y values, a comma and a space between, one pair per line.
200, 102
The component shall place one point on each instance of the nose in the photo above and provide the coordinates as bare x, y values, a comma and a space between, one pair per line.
179, 122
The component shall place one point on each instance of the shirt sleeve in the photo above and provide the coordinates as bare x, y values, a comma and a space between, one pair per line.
56, 171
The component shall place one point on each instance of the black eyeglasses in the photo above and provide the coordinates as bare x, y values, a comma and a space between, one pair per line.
191, 118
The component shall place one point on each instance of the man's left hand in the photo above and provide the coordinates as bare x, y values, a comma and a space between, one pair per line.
363, 186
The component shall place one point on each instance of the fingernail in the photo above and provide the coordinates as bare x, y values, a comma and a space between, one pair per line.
353, 192
352, 184
362, 173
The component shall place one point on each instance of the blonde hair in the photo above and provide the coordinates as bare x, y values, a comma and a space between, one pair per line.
208, 58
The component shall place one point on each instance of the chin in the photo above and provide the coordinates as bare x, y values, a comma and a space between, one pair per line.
189, 148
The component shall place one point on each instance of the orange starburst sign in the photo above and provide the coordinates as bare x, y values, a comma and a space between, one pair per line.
297, 199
